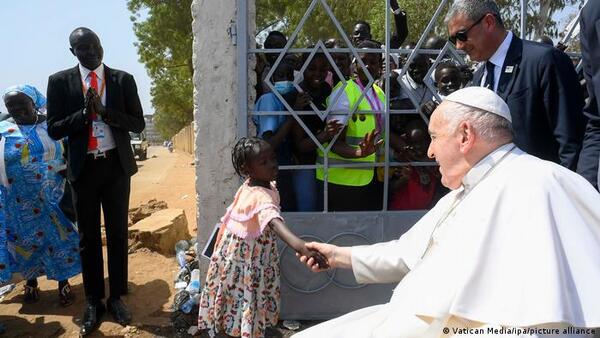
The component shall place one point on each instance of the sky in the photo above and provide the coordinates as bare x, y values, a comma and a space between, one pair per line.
35, 41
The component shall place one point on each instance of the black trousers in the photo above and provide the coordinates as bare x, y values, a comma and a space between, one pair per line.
102, 183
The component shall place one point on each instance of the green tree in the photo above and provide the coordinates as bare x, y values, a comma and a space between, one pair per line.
164, 32
539, 15
319, 26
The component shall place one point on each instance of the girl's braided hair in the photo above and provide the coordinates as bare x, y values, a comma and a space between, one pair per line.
243, 151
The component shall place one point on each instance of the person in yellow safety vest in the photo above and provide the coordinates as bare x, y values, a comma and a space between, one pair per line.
355, 189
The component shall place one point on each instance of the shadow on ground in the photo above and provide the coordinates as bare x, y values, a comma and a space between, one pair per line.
19, 327
42, 319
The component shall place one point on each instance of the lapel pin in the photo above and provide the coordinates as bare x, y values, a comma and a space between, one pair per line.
509, 69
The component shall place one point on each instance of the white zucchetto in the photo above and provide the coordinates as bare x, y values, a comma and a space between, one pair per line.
481, 98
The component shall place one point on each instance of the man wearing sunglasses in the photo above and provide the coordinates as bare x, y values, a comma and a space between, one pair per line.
537, 81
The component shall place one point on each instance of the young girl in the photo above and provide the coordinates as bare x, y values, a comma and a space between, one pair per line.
241, 293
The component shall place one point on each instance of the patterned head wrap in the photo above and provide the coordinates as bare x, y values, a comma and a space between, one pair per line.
39, 100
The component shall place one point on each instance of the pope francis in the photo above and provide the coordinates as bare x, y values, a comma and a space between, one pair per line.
513, 250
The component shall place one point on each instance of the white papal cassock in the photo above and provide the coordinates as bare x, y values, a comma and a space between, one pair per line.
518, 246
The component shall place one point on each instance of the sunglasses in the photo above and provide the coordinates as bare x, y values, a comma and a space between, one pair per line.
461, 35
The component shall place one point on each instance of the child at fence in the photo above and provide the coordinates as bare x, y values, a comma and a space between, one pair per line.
241, 293
275, 128
449, 77
413, 187
315, 89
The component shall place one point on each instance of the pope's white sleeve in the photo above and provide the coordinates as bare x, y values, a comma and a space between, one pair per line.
388, 262
378, 263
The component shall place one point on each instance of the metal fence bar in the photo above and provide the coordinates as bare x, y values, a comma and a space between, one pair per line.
386, 130
359, 165
347, 50
414, 54
572, 26
309, 112
523, 18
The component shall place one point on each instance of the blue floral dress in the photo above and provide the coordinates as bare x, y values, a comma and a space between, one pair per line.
5, 272
40, 239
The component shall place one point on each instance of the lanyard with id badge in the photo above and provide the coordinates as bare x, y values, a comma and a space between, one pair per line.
98, 129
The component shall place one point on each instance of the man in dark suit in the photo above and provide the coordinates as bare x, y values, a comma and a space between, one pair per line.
588, 165
96, 107
537, 81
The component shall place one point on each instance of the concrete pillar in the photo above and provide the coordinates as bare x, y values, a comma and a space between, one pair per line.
216, 108
215, 112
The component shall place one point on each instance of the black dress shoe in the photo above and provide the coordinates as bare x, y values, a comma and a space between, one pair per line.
119, 311
91, 317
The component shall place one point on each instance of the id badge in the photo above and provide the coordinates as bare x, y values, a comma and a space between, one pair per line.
98, 129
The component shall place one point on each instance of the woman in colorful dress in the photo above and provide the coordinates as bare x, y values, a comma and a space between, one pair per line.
40, 239
5, 273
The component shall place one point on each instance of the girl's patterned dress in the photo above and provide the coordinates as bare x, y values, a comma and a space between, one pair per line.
241, 293
40, 238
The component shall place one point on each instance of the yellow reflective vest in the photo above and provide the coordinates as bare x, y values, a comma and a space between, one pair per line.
358, 126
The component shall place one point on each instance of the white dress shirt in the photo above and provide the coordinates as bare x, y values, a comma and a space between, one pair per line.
108, 141
421, 93
498, 60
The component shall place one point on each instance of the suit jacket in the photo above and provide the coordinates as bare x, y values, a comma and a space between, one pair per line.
590, 51
66, 116
540, 86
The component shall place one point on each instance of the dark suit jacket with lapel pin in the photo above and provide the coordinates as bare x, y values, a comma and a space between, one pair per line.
590, 49
540, 86
66, 117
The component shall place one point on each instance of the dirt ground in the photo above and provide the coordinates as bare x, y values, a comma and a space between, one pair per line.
169, 177
164, 176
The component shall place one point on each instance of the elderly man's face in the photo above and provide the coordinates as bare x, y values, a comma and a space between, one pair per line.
477, 44
445, 149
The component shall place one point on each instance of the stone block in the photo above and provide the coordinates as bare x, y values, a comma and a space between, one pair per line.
161, 230
139, 213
